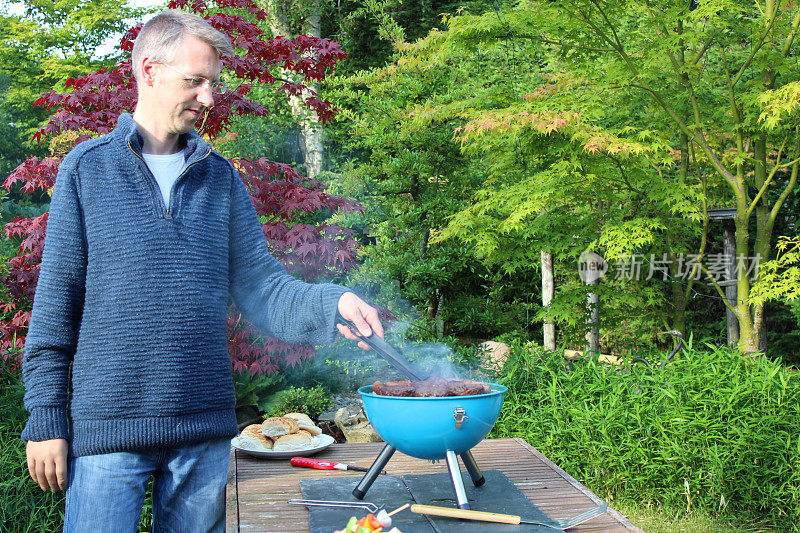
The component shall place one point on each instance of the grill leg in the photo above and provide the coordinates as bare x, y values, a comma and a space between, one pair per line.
455, 477
374, 471
472, 468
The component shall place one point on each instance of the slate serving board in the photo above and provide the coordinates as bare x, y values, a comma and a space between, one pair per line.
497, 495
386, 490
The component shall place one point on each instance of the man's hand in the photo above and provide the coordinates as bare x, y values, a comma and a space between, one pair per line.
360, 313
47, 463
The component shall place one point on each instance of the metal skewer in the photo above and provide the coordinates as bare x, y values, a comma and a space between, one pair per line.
406, 506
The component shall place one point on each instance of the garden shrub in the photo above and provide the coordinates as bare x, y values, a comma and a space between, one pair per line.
257, 391
323, 370
714, 430
311, 401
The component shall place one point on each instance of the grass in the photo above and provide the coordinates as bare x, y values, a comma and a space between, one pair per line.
660, 520
714, 434
24, 508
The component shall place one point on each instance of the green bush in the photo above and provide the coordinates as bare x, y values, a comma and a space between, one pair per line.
350, 373
317, 372
258, 391
311, 401
713, 430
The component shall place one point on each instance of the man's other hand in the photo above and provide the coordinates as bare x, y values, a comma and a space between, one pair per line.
47, 463
360, 313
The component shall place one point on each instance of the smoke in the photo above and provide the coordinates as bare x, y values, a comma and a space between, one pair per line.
365, 367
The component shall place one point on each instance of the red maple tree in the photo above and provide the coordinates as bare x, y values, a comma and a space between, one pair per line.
282, 197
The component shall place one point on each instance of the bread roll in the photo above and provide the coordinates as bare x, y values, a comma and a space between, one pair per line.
301, 418
253, 438
297, 441
305, 422
278, 426
314, 430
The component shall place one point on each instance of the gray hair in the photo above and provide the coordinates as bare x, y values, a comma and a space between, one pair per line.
162, 35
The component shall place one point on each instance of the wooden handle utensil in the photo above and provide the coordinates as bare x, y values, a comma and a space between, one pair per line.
406, 506
466, 514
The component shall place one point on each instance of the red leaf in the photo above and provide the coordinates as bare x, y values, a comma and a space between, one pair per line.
278, 191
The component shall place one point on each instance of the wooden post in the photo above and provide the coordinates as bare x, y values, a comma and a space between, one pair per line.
548, 291
731, 289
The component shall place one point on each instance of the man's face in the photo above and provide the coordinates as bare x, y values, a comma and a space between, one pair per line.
180, 103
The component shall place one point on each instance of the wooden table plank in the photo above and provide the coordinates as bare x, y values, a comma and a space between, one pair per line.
232, 496
258, 489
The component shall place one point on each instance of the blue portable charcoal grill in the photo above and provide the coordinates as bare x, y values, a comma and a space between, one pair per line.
429, 428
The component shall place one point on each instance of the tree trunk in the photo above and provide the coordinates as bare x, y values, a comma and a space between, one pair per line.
749, 316
729, 252
311, 132
548, 291
593, 321
440, 329
677, 291
748, 333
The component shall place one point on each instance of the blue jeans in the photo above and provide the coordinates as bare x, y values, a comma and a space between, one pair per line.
106, 492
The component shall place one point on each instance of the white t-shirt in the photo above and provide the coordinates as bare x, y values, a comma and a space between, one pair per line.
166, 169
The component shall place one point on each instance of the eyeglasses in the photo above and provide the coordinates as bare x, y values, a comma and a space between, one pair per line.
196, 82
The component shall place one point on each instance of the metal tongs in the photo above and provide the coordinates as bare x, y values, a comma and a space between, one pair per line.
367, 506
387, 351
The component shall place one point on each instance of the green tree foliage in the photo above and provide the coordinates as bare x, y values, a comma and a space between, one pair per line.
11, 143
371, 30
42, 44
536, 186
412, 177
779, 279
654, 112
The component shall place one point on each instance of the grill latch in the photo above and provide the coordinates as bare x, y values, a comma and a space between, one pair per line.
460, 416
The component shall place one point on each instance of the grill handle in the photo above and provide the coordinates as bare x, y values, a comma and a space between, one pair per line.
387, 351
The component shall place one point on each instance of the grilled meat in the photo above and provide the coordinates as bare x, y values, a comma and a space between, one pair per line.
434, 386
394, 388
467, 387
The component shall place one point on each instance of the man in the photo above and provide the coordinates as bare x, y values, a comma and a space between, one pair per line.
126, 364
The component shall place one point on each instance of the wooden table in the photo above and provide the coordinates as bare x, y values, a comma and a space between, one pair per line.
258, 489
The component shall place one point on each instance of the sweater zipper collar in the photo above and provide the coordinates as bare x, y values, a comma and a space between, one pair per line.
154, 187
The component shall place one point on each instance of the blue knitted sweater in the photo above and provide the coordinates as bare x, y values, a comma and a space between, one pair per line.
127, 343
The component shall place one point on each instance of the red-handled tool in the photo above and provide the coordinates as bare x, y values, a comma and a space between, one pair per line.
325, 465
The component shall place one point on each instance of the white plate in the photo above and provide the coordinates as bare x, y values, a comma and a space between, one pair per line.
318, 443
